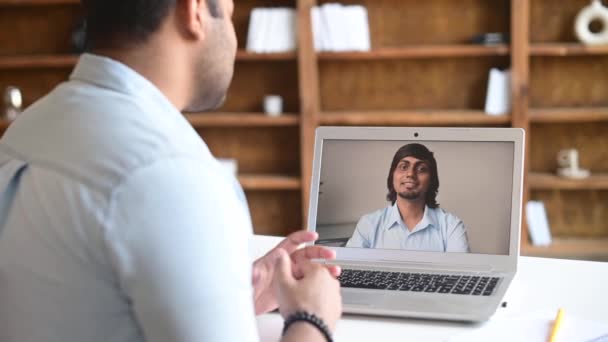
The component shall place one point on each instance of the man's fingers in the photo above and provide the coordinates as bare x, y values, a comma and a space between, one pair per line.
335, 270
294, 240
313, 252
283, 267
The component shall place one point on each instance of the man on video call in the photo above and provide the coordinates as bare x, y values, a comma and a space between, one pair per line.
414, 220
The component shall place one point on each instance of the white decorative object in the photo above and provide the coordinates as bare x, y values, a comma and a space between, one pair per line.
569, 167
231, 165
12, 103
273, 105
538, 224
498, 96
594, 12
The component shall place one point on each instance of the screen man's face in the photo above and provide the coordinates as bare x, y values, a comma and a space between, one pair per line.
412, 178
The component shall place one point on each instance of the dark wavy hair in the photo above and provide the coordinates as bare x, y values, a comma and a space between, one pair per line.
114, 22
417, 151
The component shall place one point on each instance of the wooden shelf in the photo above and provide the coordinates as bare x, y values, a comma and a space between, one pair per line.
243, 55
4, 124
413, 118
556, 115
38, 61
241, 119
546, 181
269, 182
68, 60
566, 49
570, 247
37, 2
419, 52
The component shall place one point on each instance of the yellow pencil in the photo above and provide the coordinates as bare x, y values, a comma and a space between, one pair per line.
556, 324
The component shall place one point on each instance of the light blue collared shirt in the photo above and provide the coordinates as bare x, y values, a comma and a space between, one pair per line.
116, 222
438, 231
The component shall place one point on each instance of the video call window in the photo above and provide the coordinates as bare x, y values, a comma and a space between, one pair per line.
432, 196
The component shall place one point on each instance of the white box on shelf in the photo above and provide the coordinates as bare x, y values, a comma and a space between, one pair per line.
538, 224
498, 96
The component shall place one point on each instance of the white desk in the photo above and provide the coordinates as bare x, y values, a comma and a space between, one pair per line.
580, 287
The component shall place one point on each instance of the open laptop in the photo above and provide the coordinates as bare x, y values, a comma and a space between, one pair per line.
457, 254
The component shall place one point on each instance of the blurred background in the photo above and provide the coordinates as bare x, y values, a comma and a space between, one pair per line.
540, 65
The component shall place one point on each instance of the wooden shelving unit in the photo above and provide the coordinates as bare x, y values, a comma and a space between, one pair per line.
413, 118
566, 49
570, 248
564, 115
243, 55
269, 182
545, 181
558, 96
461, 50
6, 3
69, 60
241, 120
3, 125
38, 61
567, 109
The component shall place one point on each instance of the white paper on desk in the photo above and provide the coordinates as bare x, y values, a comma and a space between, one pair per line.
534, 327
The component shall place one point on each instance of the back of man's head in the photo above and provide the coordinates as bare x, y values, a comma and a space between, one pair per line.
115, 23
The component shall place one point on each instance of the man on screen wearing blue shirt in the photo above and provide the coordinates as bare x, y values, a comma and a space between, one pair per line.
414, 220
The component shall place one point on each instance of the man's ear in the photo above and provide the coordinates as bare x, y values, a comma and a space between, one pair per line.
194, 16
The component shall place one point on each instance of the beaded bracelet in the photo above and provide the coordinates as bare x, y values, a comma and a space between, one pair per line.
310, 318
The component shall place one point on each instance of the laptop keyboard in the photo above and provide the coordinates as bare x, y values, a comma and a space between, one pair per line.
419, 282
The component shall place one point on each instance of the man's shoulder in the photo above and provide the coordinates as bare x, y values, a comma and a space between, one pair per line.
100, 135
377, 216
443, 216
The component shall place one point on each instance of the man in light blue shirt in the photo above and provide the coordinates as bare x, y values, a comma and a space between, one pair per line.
414, 221
116, 222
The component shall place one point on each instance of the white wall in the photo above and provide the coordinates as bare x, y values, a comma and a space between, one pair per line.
475, 184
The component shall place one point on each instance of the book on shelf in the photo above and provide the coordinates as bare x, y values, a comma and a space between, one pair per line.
498, 95
538, 224
272, 30
338, 27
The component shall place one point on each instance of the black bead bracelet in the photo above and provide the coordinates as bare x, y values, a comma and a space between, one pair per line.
310, 318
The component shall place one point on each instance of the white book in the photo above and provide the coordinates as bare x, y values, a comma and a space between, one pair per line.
272, 26
349, 29
538, 224
287, 29
260, 37
498, 95
315, 18
292, 30
331, 18
363, 41
278, 33
341, 26
253, 32
325, 35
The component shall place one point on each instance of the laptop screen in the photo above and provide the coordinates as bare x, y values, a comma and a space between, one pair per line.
436, 196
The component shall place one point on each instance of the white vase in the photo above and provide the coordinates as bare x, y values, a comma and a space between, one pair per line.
595, 11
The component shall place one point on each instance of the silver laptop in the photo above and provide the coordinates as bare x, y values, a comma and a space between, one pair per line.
425, 221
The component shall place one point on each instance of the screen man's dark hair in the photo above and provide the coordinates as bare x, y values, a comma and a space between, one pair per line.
112, 23
417, 151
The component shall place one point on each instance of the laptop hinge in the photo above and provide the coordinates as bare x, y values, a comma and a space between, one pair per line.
411, 265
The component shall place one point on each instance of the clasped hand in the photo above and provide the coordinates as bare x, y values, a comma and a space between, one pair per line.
265, 298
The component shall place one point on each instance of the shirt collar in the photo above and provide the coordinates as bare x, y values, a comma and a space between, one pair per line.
108, 73
394, 219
